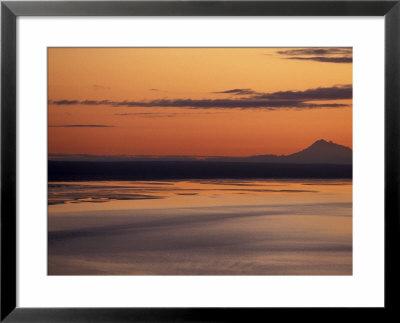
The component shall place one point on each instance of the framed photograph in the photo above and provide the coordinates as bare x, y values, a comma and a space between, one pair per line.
198, 160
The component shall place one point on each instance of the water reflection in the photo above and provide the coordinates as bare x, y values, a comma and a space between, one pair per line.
200, 228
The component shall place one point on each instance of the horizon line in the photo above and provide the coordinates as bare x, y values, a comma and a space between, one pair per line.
192, 157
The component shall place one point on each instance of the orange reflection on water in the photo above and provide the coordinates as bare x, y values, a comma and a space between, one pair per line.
254, 227
195, 193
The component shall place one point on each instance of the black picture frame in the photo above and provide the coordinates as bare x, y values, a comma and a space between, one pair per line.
10, 10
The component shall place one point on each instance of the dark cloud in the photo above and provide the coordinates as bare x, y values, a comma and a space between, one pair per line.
274, 100
81, 126
341, 92
316, 51
237, 92
94, 102
323, 55
325, 59
64, 102
227, 104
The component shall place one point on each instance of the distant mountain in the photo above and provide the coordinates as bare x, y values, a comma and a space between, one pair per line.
320, 152
322, 159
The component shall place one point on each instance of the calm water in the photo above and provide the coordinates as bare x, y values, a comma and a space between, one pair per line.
222, 227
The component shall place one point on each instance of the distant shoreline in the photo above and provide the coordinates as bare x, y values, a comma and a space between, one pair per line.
178, 170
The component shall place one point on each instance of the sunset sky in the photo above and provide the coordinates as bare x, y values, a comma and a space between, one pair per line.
197, 101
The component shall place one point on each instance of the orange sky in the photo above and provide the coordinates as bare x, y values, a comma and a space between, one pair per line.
212, 123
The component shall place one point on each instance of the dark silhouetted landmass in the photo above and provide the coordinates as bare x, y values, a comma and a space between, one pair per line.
320, 160
169, 170
320, 152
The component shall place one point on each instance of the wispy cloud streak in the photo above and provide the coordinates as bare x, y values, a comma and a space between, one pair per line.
317, 51
342, 92
323, 55
81, 126
275, 100
324, 59
237, 92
